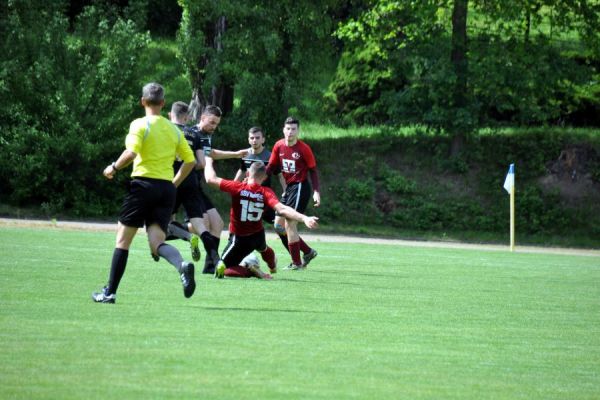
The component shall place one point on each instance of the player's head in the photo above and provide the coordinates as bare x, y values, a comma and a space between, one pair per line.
179, 112
291, 127
256, 138
257, 172
210, 118
153, 94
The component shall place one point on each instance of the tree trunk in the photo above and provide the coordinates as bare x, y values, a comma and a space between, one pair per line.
196, 105
460, 64
222, 92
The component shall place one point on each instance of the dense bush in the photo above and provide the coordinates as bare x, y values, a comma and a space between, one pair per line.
411, 188
65, 104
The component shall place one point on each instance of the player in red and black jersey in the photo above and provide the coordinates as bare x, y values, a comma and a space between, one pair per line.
297, 164
248, 201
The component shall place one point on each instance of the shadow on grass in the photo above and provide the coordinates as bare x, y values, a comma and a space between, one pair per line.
364, 284
263, 310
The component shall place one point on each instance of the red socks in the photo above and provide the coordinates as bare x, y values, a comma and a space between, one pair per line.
268, 256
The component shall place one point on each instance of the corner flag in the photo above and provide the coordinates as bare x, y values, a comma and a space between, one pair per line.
509, 186
509, 182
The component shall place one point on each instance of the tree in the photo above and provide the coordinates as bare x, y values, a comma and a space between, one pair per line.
200, 38
262, 50
65, 101
440, 64
461, 70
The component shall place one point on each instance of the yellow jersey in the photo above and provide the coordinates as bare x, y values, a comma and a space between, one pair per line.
156, 141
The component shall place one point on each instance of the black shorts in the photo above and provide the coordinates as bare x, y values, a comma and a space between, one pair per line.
297, 196
148, 201
205, 200
190, 198
239, 247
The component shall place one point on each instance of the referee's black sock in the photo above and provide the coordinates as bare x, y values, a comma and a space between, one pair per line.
117, 269
171, 254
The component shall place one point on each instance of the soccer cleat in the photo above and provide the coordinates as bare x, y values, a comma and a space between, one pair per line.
187, 279
194, 246
294, 267
155, 257
220, 270
308, 257
104, 297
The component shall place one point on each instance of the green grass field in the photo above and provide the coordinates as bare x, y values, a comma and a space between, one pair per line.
372, 321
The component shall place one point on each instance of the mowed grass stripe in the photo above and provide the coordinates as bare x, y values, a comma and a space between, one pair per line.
374, 321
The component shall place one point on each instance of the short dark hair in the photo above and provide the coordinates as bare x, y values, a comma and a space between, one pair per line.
257, 169
179, 109
212, 110
256, 129
153, 93
291, 121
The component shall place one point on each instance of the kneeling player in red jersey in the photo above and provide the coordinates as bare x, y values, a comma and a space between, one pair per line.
248, 201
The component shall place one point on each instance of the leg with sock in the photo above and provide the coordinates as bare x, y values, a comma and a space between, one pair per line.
294, 249
268, 256
117, 269
185, 269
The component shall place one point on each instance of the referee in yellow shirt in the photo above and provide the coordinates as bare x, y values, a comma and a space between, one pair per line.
152, 144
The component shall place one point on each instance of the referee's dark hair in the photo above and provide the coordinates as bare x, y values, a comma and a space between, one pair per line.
153, 93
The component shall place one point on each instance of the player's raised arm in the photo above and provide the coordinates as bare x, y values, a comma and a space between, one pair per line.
223, 154
210, 175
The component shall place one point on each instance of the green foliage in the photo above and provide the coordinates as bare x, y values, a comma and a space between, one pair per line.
396, 66
395, 183
412, 186
65, 101
268, 54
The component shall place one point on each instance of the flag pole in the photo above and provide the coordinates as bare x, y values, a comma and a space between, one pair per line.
512, 218
509, 186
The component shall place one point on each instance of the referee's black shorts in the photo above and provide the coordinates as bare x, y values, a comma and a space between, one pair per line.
297, 195
148, 201
239, 247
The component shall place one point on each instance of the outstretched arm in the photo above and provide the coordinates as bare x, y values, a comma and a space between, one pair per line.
222, 154
239, 175
210, 174
200, 159
290, 213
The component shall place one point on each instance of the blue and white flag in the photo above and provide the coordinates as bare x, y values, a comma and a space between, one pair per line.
509, 182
